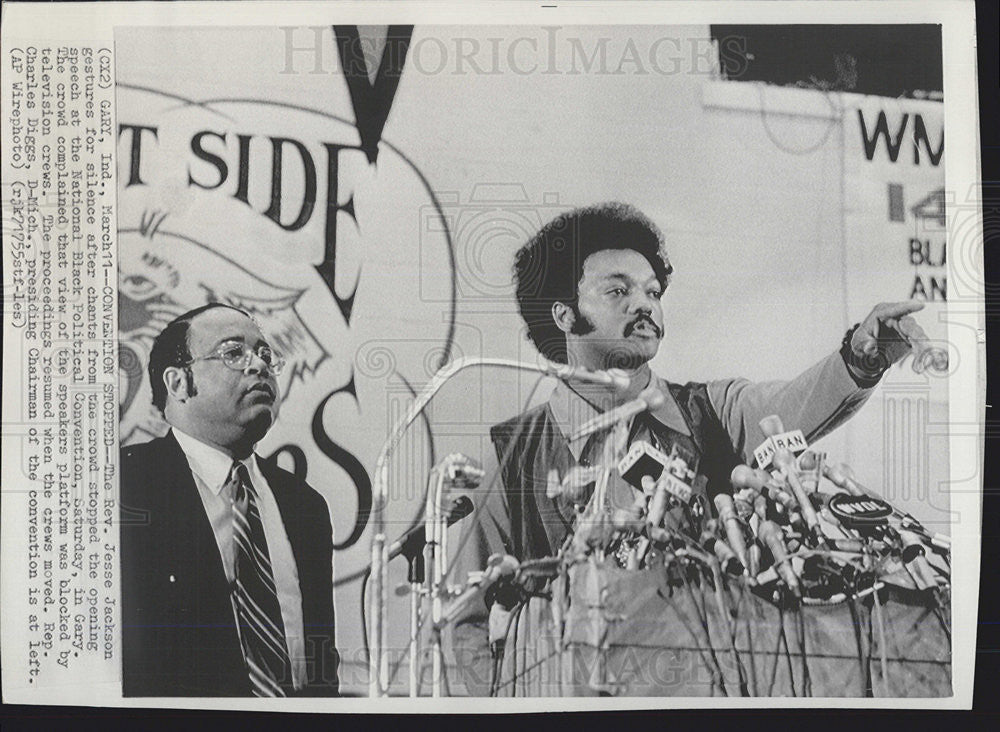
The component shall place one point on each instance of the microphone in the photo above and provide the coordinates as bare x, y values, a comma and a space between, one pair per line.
727, 557
771, 425
498, 567
460, 471
654, 514
753, 568
615, 378
836, 475
649, 398
380, 491
743, 476
657, 504
840, 476
760, 507
660, 493
574, 485
784, 460
811, 465
770, 534
642, 460
915, 559
734, 532
413, 540
644, 464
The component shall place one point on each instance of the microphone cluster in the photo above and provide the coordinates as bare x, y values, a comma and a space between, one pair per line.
809, 530
663, 513
800, 529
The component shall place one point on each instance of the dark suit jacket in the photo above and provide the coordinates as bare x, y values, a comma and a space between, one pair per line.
179, 634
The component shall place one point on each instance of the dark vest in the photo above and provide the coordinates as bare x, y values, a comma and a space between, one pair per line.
531, 444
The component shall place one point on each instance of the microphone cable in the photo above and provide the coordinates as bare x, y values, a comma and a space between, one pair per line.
883, 660
517, 675
801, 628
781, 640
697, 644
501, 652
702, 616
863, 667
743, 591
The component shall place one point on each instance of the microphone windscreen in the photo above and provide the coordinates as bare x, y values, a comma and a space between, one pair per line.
501, 565
724, 505
808, 460
743, 476
770, 534
460, 508
771, 425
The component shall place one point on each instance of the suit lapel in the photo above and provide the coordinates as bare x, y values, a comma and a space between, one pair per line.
190, 533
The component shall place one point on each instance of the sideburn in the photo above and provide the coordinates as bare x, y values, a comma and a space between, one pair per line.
192, 390
582, 325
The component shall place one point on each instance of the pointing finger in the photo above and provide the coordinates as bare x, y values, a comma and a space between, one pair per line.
897, 309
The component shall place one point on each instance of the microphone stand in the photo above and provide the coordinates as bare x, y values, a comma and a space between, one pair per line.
378, 670
415, 576
436, 530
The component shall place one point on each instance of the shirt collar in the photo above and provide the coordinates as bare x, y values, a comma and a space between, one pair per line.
571, 411
210, 464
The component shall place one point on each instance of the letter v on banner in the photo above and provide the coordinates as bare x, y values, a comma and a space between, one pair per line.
372, 98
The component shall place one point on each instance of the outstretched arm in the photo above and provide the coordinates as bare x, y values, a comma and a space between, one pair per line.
825, 395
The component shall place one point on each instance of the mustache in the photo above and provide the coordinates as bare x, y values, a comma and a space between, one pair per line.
264, 387
643, 318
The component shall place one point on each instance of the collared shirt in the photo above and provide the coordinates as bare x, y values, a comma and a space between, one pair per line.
211, 468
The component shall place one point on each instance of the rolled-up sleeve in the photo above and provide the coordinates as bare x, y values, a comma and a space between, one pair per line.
820, 399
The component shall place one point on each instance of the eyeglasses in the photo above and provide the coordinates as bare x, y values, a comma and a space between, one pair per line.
237, 354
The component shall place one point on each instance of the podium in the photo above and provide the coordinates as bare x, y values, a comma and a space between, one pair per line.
667, 632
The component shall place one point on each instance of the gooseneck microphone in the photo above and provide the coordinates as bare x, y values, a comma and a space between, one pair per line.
615, 378
649, 398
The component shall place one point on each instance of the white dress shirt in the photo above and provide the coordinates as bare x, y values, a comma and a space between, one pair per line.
211, 467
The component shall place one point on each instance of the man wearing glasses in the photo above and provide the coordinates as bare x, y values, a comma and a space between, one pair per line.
227, 559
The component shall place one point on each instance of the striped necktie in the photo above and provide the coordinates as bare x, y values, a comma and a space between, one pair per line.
255, 597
